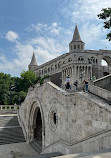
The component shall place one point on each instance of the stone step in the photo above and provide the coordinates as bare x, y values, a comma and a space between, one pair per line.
97, 154
95, 98
10, 130
8, 121
46, 155
36, 146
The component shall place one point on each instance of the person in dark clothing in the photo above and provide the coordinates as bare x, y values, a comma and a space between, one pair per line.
85, 86
76, 85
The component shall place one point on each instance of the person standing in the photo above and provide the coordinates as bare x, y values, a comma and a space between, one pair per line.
68, 86
76, 85
86, 86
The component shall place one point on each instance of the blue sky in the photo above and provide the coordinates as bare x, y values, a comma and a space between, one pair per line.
46, 27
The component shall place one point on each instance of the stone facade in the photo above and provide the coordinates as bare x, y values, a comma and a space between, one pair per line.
78, 63
71, 122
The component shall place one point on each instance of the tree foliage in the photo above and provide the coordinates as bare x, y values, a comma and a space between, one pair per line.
14, 89
28, 78
106, 15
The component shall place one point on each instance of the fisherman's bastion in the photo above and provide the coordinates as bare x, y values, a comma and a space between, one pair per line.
68, 121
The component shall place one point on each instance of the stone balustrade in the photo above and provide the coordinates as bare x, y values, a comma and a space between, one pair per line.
8, 109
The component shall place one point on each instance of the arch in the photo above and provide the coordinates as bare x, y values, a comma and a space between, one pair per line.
78, 46
82, 47
59, 64
45, 71
52, 67
107, 59
35, 122
80, 58
71, 71
93, 60
55, 66
48, 69
69, 59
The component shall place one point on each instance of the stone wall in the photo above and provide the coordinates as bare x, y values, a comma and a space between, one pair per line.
104, 82
103, 93
77, 118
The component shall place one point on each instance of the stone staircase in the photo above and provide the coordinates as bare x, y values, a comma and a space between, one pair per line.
46, 155
96, 98
36, 146
10, 130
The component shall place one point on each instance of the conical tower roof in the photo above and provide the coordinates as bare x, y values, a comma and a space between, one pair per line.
33, 61
76, 36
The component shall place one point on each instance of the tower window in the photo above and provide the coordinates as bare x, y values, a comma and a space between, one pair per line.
81, 46
78, 46
74, 46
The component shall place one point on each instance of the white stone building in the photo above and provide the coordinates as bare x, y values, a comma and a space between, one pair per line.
78, 63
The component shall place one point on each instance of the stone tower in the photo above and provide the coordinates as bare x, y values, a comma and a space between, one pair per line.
33, 63
76, 43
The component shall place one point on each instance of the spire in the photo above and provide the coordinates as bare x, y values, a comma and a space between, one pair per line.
76, 36
33, 61
76, 43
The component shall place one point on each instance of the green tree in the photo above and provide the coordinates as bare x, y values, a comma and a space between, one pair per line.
106, 15
28, 78
5, 81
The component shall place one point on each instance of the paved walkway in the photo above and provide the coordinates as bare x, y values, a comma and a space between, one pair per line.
16, 150
102, 155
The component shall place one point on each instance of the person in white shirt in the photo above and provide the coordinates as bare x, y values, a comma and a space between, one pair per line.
67, 83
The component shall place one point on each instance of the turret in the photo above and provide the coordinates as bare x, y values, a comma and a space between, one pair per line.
76, 43
33, 63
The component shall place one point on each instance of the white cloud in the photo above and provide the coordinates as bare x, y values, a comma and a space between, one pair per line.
83, 10
11, 36
45, 29
45, 49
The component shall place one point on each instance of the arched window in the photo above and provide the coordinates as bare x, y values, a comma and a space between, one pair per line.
80, 58
52, 68
39, 72
59, 64
78, 46
81, 46
48, 69
45, 70
69, 59
74, 46
55, 66
92, 59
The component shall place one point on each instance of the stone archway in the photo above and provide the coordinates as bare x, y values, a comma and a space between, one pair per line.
38, 127
106, 64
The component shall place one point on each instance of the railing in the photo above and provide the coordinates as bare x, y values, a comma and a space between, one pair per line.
8, 109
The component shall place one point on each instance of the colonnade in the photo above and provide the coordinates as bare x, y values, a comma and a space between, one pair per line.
76, 72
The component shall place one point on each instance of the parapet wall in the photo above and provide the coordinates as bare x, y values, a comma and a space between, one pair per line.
104, 82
